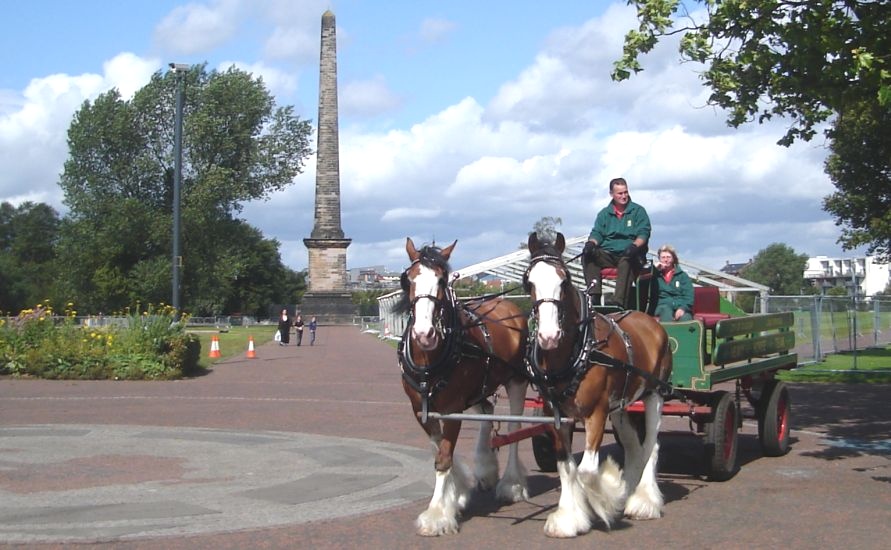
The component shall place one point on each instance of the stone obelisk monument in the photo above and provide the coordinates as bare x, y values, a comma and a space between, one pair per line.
328, 297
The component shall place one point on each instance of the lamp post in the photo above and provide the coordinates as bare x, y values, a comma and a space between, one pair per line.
179, 70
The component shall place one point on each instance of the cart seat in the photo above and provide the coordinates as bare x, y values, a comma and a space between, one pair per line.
707, 306
611, 273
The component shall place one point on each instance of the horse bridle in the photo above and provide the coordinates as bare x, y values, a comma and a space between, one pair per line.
429, 378
558, 263
439, 303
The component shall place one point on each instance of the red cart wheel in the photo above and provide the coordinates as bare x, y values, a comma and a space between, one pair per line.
543, 448
721, 438
774, 412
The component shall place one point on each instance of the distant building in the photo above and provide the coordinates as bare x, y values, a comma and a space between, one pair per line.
373, 277
869, 276
734, 269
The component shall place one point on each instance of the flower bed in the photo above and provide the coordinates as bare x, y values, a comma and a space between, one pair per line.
151, 345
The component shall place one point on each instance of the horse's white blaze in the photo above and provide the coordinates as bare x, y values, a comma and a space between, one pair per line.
544, 277
426, 283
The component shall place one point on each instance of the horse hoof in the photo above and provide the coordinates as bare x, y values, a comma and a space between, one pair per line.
563, 524
639, 508
436, 524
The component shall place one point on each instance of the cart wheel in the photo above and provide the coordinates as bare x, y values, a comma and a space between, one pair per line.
543, 448
774, 418
721, 439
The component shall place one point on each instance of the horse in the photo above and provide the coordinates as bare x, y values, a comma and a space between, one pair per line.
454, 356
589, 366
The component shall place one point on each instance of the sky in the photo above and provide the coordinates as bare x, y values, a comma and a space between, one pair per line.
459, 120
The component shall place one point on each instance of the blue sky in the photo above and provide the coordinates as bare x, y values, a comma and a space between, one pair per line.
459, 120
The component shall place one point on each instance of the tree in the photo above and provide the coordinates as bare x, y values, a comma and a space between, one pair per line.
814, 61
860, 167
237, 146
28, 235
806, 59
780, 268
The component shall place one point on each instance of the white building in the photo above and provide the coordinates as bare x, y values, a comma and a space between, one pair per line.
870, 276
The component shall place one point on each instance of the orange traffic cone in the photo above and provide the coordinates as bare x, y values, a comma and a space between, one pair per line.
214, 347
251, 354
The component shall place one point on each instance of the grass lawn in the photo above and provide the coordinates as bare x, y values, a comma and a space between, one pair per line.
232, 343
873, 366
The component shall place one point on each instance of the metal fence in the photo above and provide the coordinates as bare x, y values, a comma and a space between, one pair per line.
833, 324
98, 321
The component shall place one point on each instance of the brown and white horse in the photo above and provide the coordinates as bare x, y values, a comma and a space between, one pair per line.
588, 366
454, 356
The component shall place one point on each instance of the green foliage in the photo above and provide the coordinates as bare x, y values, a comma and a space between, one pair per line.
116, 243
28, 234
152, 345
367, 301
780, 268
860, 167
837, 291
813, 61
805, 59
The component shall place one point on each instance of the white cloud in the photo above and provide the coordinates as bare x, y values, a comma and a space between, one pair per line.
34, 125
197, 28
365, 98
399, 214
295, 43
277, 81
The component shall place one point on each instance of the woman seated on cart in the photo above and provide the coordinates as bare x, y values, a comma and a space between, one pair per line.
675, 289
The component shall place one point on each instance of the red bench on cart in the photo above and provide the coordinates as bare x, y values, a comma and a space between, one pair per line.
707, 306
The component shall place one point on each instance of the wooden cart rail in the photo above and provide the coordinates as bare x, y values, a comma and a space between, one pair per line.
734, 349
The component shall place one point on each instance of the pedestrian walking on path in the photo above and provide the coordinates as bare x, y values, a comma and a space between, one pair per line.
298, 327
313, 325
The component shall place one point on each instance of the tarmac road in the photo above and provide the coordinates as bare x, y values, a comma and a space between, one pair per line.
315, 447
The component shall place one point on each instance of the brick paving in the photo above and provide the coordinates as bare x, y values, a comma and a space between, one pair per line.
315, 447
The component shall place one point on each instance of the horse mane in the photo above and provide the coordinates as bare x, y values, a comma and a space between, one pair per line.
430, 256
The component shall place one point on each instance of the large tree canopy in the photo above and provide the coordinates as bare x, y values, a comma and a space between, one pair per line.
860, 167
116, 242
812, 61
28, 234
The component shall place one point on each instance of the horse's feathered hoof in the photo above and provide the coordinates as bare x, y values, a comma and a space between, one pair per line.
434, 523
644, 504
604, 491
564, 524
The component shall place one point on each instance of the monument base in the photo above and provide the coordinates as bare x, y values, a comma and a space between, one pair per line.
329, 308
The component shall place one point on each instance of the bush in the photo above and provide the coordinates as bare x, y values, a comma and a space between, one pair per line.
152, 345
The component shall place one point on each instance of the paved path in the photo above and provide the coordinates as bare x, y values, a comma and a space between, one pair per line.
315, 447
